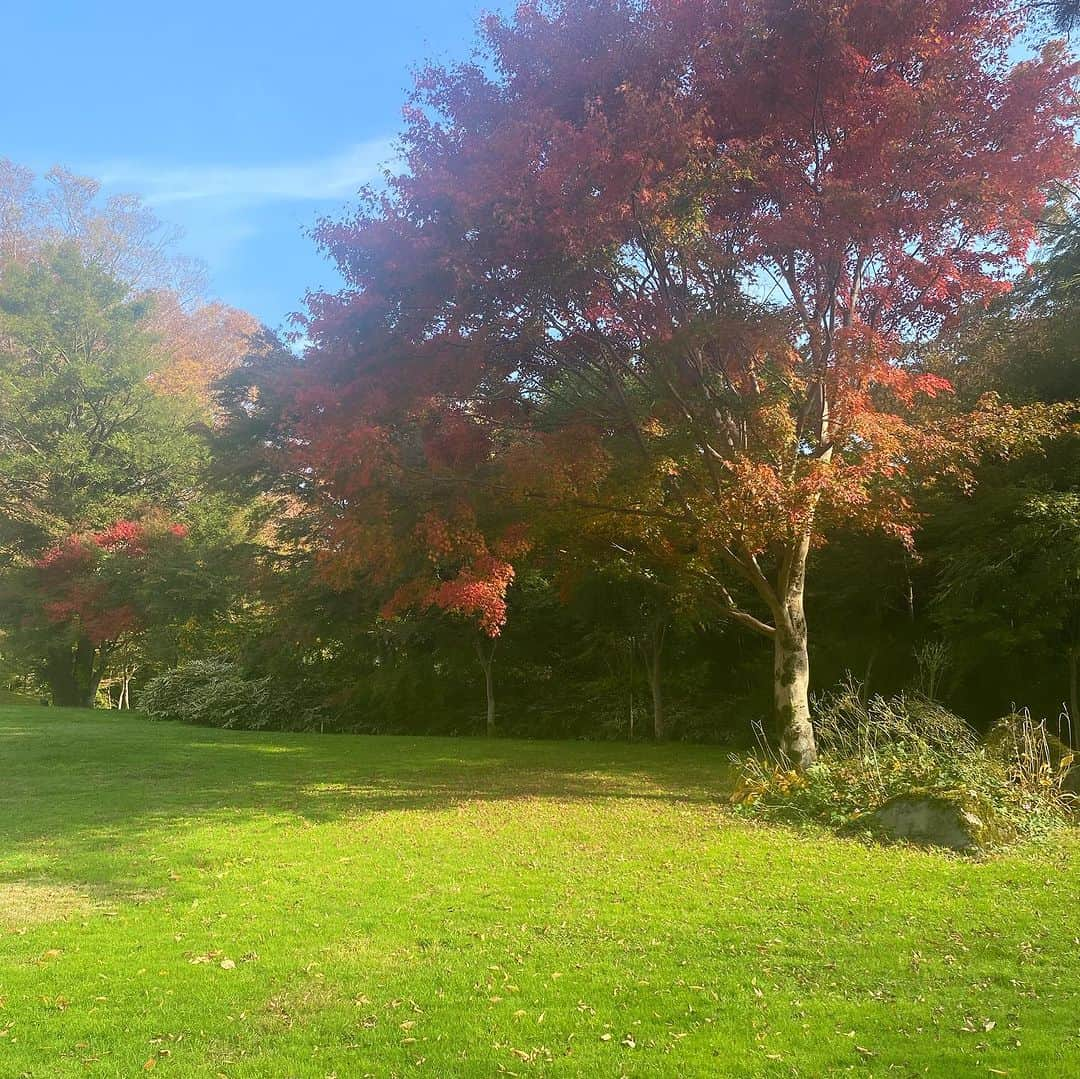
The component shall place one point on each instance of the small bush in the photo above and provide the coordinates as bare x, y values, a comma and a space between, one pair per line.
1034, 757
218, 693
871, 751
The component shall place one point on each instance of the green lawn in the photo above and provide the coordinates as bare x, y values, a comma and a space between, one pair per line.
207, 903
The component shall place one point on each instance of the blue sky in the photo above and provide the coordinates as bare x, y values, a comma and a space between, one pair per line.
239, 121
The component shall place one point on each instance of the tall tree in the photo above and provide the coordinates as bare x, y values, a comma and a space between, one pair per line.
199, 345
662, 264
84, 439
122, 237
118, 234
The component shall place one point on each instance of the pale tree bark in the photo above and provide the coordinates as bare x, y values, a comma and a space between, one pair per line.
787, 631
125, 690
791, 687
791, 661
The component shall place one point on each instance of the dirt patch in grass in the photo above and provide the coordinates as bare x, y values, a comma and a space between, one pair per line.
24, 904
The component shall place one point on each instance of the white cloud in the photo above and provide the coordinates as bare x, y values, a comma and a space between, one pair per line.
331, 177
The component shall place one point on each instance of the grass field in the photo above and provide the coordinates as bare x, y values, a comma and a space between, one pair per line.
191, 902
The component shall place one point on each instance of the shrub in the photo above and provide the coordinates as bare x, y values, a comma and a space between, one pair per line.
1033, 756
871, 751
218, 693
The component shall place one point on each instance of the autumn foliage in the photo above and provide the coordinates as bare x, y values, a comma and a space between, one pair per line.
200, 344
660, 272
90, 583
93, 594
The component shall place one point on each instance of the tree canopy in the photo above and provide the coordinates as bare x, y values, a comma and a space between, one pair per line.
680, 318
84, 437
659, 269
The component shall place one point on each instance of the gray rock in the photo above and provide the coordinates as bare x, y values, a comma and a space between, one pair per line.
935, 819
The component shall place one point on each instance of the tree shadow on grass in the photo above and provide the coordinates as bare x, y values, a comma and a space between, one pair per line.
91, 781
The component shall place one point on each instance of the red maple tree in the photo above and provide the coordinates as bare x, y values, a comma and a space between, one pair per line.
91, 592
657, 270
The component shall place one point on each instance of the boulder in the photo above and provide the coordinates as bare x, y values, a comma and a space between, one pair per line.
933, 818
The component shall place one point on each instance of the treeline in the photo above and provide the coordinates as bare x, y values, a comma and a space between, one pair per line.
647, 408
114, 540
984, 614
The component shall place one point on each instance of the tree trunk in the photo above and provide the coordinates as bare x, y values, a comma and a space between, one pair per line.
72, 674
487, 663
61, 684
791, 674
489, 689
659, 725
125, 690
89, 670
652, 650
791, 686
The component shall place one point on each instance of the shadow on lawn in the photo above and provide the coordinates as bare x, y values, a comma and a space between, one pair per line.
94, 781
